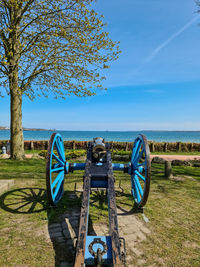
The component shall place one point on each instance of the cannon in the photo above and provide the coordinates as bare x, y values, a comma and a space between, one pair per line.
99, 250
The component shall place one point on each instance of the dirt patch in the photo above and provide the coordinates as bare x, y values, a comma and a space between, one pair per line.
189, 244
177, 178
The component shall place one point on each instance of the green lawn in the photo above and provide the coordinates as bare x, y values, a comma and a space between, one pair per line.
172, 209
121, 152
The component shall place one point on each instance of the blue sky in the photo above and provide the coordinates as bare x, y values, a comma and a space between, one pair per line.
153, 86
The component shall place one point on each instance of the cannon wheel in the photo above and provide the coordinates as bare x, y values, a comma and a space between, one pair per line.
140, 170
55, 169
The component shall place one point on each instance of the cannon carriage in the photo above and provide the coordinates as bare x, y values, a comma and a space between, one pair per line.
99, 250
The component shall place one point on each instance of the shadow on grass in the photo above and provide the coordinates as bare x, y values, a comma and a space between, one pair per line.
63, 220
24, 200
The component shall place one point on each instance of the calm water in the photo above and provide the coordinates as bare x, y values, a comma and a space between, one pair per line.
159, 136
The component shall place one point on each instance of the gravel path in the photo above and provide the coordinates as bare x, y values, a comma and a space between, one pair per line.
173, 157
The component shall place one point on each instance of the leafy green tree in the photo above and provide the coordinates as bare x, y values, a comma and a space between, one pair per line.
50, 47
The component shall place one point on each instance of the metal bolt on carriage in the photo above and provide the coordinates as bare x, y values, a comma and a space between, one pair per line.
99, 250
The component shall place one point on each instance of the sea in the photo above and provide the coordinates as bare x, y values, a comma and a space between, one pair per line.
118, 136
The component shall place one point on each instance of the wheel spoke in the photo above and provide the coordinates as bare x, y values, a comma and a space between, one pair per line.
135, 151
58, 160
57, 179
138, 174
139, 157
138, 185
57, 169
137, 196
58, 187
141, 164
59, 149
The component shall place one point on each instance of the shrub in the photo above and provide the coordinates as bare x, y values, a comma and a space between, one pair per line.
43, 153
75, 154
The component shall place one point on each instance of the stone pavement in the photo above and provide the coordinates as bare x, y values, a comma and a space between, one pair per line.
64, 235
5, 185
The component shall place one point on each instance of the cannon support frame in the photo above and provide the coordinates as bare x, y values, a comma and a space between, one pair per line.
98, 250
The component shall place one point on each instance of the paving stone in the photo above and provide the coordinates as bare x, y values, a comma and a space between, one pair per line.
75, 214
67, 233
60, 239
74, 222
66, 264
56, 229
55, 234
54, 225
65, 225
5, 185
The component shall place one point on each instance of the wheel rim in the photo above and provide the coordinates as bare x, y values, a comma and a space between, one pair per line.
55, 169
140, 171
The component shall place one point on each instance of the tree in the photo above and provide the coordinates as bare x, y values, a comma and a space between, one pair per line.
50, 47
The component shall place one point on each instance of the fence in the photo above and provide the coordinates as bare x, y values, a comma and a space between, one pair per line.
126, 146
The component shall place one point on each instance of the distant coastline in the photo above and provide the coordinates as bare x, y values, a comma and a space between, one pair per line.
116, 136
28, 129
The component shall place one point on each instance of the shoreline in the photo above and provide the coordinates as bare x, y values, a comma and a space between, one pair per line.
109, 136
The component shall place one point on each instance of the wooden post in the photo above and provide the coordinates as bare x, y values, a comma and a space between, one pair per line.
46, 145
191, 147
152, 147
179, 146
126, 147
168, 170
111, 145
165, 147
74, 145
32, 145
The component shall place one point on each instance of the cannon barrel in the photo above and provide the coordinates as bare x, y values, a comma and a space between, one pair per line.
98, 149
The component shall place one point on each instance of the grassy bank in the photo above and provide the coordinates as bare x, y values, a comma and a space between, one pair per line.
172, 209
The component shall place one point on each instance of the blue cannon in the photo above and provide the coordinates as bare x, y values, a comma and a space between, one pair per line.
99, 250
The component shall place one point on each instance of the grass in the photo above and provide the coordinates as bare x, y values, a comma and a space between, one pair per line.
172, 209
121, 152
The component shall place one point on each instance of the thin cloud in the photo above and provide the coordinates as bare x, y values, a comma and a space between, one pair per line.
165, 43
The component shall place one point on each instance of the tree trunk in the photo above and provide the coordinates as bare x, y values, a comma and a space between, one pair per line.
16, 131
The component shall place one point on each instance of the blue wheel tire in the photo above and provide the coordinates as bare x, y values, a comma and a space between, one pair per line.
55, 169
140, 170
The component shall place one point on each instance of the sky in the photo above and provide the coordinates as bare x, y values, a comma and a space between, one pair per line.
154, 85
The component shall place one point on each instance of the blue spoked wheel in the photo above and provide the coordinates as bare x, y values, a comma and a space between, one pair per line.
56, 167
140, 170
